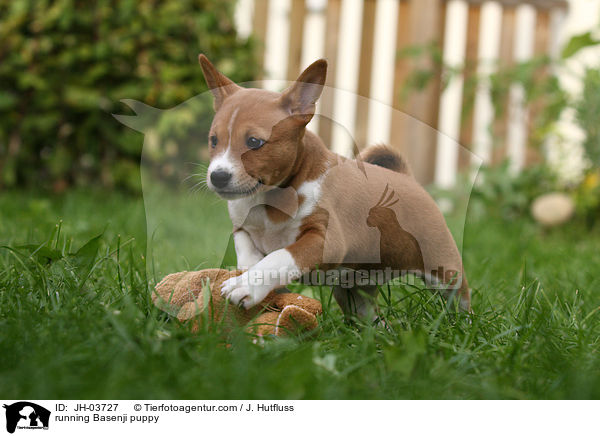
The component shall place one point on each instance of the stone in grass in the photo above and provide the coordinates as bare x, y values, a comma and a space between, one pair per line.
552, 209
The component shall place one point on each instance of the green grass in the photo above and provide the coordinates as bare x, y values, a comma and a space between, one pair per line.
83, 325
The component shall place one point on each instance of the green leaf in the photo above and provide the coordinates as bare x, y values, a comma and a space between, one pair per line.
577, 43
41, 252
88, 251
84, 258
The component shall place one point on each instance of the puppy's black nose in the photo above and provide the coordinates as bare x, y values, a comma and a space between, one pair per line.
220, 178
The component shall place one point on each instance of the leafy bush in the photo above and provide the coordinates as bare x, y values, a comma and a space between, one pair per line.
64, 66
542, 92
587, 109
499, 192
587, 194
587, 197
509, 195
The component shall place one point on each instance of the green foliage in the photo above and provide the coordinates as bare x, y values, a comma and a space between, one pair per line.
64, 65
587, 110
587, 194
541, 89
499, 192
426, 63
587, 197
579, 42
503, 193
534, 332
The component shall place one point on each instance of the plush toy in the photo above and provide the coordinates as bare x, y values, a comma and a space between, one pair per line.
182, 294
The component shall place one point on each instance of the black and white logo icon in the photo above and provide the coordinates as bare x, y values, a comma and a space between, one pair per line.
26, 415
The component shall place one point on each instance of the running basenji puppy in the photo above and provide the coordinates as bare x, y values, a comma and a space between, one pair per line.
297, 207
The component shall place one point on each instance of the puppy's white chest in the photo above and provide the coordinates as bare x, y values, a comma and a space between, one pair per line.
269, 236
266, 234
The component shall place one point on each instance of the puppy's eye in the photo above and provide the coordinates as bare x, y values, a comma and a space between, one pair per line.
213, 141
254, 143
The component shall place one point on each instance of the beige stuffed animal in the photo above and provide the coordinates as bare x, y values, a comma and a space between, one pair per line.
182, 294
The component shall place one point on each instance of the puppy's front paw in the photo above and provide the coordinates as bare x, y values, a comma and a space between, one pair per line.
239, 291
229, 285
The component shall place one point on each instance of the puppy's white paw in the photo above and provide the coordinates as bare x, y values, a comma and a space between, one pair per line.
242, 296
239, 291
229, 285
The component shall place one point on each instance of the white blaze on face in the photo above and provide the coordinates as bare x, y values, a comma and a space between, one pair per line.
230, 126
221, 162
225, 161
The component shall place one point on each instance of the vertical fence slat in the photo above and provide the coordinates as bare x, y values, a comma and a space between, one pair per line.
506, 60
313, 47
483, 110
401, 72
334, 8
364, 74
518, 109
346, 79
471, 59
382, 81
541, 44
277, 43
541, 47
259, 29
297, 16
421, 23
243, 18
450, 103
429, 26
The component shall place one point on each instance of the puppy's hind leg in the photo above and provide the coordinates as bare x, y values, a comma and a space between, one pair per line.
358, 302
452, 289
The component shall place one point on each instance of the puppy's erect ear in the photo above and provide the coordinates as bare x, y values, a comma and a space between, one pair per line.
300, 98
219, 84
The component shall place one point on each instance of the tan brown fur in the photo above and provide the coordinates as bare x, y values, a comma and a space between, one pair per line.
416, 237
347, 227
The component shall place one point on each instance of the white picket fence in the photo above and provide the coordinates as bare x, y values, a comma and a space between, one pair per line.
362, 39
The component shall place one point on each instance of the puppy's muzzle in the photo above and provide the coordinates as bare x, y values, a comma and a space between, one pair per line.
220, 179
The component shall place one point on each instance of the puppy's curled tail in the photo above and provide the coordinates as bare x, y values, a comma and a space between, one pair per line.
383, 156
